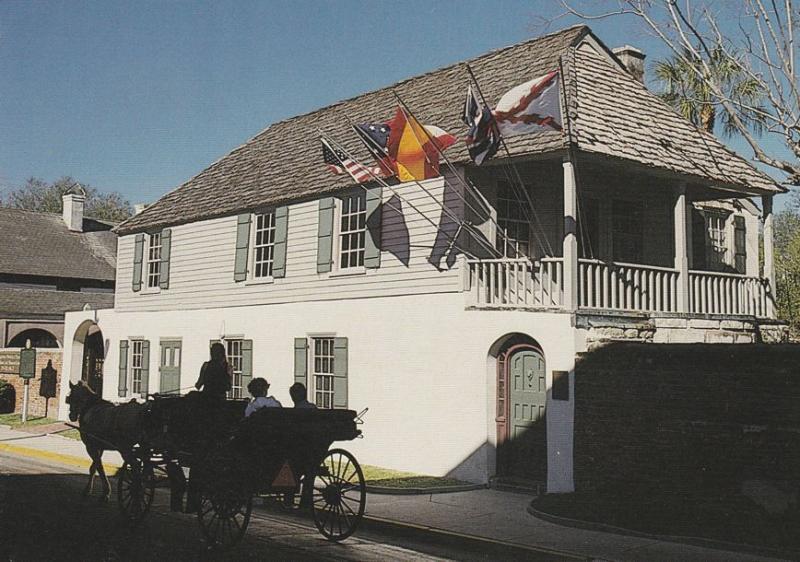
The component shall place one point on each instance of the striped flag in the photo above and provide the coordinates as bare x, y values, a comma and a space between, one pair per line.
339, 163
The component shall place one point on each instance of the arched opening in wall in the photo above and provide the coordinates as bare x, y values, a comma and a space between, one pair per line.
88, 356
520, 414
38, 337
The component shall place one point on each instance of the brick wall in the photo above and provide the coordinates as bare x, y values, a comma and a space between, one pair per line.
684, 417
9, 371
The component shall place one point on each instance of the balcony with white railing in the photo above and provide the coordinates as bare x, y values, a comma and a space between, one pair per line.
510, 283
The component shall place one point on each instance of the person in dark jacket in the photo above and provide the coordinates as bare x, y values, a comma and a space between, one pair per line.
215, 374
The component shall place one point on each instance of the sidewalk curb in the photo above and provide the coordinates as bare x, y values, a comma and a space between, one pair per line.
381, 490
69, 460
443, 536
693, 541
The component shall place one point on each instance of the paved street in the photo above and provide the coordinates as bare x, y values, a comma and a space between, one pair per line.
44, 517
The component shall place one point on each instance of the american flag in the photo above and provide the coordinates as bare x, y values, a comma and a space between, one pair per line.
339, 163
375, 136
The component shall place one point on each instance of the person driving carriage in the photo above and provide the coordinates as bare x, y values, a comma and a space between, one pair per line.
215, 374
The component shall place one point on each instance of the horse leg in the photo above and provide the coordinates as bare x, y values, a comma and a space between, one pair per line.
92, 467
106, 484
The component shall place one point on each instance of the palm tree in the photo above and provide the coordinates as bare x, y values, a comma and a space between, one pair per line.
690, 95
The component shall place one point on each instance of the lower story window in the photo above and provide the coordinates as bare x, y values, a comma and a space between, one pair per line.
234, 352
136, 366
323, 365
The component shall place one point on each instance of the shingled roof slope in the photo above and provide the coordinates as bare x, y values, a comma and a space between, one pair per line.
41, 244
619, 117
283, 162
49, 302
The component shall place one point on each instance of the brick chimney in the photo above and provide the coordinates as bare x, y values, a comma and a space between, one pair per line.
633, 60
72, 208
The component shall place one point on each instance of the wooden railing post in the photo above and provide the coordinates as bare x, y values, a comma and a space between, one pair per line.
682, 249
570, 248
769, 263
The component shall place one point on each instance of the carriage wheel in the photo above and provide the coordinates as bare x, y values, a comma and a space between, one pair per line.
339, 496
225, 499
224, 515
135, 489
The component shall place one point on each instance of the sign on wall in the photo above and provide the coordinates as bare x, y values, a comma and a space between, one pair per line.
27, 363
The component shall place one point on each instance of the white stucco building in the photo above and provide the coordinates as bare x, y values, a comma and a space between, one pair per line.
452, 308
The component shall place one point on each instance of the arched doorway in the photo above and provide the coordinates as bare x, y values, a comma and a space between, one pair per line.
88, 356
521, 410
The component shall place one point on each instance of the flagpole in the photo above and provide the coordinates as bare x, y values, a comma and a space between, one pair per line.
394, 192
450, 214
513, 166
452, 168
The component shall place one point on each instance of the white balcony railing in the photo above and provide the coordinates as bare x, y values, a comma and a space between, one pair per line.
726, 293
625, 286
514, 283
522, 283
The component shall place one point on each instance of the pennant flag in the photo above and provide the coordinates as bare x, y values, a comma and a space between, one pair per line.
414, 149
483, 138
375, 136
338, 163
531, 107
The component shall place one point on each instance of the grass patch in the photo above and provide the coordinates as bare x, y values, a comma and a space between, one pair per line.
388, 478
15, 420
726, 517
71, 434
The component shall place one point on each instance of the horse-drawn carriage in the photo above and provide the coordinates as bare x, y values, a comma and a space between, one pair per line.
281, 453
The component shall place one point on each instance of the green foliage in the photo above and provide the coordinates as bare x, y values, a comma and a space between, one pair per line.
687, 89
39, 195
787, 263
7, 397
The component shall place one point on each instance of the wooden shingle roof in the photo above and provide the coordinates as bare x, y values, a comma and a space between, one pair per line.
283, 162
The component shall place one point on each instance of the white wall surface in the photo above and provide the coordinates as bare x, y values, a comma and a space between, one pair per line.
419, 363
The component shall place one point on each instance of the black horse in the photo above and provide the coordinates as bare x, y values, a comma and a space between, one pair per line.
104, 427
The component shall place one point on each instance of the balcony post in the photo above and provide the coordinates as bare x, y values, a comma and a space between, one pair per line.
682, 248
769, 263
570, 248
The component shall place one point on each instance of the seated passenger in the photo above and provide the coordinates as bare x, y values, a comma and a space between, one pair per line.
298, 393
258, 387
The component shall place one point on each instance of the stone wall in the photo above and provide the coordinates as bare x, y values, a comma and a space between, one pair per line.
686, 417
9, 371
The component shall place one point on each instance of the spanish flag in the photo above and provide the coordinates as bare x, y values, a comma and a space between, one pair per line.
414, 148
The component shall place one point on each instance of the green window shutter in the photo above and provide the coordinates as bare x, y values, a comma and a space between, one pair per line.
325, 235
166, 243
372, 248
301, 360
279, 251
340, 372
247, 364
138, 255
740, 244
122, 384
145, 368
242, 247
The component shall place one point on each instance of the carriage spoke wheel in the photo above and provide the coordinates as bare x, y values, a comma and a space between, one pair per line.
339, 495
135, 489
223, 516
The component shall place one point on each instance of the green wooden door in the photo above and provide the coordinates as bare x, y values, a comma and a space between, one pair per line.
527, 435
170, 367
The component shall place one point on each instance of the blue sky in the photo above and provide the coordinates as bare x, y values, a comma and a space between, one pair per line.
137, 97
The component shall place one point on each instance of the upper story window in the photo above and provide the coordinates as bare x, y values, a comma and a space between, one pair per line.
352, 230
154, 260
515, 235
716, 240
263, 245
628, 230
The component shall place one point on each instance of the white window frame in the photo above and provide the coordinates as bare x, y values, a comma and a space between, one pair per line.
152, 265
235, 360
133, 369
269, 247
317, 395
337, 268
718, 250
